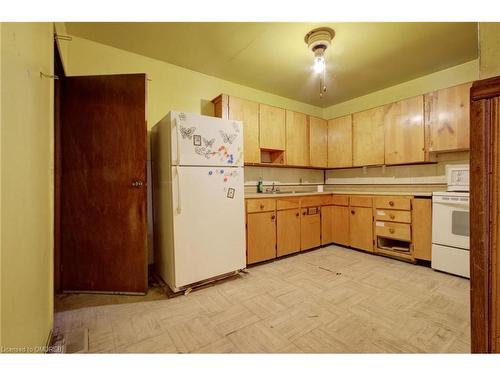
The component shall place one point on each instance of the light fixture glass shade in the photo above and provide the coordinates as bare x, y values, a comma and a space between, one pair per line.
319, 64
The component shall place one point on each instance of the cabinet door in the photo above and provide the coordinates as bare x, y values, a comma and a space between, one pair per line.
404, 131
340, 225
261, 237
248, 113
318, 141
340, 142
361, 228
422, 228
297, 139
288, 225
272, 127
368, 137
448, 118
326, 225
310, 229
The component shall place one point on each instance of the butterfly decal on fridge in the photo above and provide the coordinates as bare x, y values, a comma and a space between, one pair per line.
187, 132
228, 138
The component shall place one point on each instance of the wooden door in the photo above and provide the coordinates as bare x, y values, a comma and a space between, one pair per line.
318, 140
340, 142
272, 127
448, 118
247, 112
361, 228
103, 195
326, 225
261, 236
422, 228
368, 137
310, 228
288, 232
485, 216
297, 139
340, 225
404, 131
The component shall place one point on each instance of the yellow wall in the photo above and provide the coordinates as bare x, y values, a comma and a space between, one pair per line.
466, 72
26, 293
489, 49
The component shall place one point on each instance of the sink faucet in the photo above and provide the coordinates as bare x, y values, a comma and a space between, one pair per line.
273, 189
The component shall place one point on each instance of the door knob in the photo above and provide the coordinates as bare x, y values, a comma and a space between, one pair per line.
137, 183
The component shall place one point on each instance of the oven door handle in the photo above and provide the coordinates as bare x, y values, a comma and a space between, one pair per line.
453, 203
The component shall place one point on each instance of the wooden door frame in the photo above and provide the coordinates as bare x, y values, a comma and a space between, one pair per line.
484, 202
59, 73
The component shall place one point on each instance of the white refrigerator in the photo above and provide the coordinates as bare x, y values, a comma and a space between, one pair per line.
198, 194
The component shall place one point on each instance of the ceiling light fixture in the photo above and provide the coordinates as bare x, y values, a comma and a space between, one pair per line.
318, 40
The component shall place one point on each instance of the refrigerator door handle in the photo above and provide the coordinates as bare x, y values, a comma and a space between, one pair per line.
176, 121
179, 203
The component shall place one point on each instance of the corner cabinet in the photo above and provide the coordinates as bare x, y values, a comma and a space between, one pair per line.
368, 137
246, 111
318, 142
339, 134
404, 132
448, 118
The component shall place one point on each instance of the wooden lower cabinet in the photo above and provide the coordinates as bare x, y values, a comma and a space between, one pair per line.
310, 228
326, 225
261, 236
340, 225
288, 232
422, 232
361, 228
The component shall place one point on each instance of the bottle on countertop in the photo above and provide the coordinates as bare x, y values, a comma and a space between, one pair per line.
260, 186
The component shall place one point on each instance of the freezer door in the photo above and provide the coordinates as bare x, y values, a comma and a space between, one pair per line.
209, 223
206, 141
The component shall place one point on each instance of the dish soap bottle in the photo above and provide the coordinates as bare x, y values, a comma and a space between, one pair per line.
260, 186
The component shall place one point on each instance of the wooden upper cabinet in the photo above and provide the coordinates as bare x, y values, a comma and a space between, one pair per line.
340, 142
404, 131
368, 137
318, 142
448, 118
297, 139
246, 111
272, 127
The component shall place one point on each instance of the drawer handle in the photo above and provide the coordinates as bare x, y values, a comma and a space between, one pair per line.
391, 203
261, 206
392, 216
391, 230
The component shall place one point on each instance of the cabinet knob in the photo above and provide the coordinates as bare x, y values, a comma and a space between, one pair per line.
391, 203
391, 230
297, 214
261, 206
304, 213
273, 217
392, 216
353, 212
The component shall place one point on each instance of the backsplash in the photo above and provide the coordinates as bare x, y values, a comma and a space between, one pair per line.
283, 176
422, 174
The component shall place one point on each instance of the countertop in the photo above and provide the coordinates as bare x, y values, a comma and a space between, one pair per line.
301, 194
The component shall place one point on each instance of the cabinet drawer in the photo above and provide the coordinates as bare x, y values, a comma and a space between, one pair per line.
287, 203
393, 230
311, 201
340, 200
260, 205
326, 200
392, 215
395, 203
360, 201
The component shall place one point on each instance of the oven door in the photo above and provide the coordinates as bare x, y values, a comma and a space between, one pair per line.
450, 221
